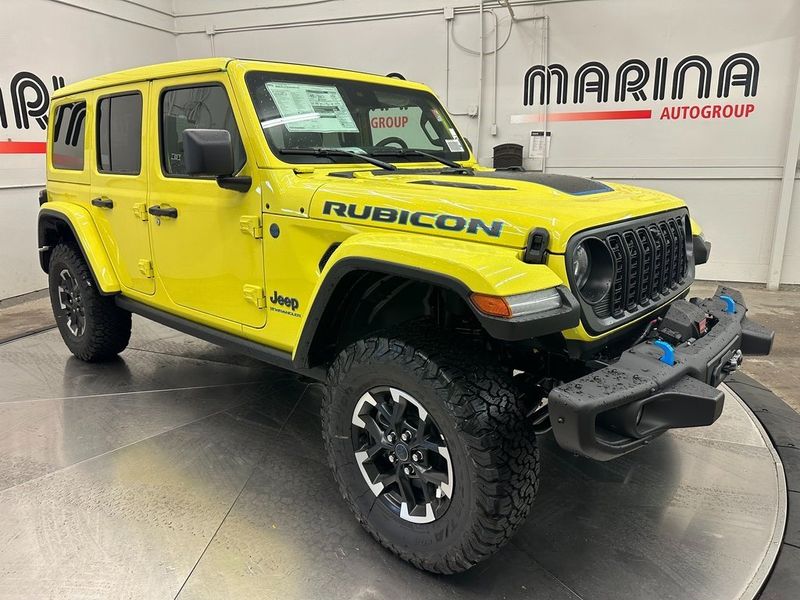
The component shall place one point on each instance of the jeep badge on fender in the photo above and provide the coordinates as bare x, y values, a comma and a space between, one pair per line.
451, 312
291, 303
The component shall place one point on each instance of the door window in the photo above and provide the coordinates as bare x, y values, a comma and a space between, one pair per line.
67, 151
119, 134
198, 107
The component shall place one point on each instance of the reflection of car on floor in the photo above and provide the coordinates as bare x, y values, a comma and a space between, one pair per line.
454, 312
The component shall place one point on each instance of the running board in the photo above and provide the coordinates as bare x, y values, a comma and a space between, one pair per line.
255, 350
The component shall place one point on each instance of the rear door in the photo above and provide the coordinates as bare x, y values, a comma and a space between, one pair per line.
119, 182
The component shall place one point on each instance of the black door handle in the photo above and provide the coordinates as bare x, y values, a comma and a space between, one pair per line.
157, 211
103, 203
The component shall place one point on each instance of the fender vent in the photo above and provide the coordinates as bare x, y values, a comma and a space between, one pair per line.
327, 256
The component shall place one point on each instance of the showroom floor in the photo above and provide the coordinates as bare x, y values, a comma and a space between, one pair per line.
778, 310
181, 470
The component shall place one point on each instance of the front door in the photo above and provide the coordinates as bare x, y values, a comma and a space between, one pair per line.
119, 182
207, 242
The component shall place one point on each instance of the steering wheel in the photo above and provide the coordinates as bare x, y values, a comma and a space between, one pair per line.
392, 140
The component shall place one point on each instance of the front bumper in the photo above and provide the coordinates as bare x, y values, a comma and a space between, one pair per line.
623, 406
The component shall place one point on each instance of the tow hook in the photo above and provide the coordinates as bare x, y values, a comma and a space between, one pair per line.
734, 362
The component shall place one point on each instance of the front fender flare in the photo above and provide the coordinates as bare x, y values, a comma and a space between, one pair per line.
78, 220
463, 267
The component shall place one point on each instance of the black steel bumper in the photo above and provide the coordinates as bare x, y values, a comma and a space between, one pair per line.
621, 407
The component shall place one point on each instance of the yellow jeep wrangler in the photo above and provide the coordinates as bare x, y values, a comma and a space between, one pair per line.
337, 224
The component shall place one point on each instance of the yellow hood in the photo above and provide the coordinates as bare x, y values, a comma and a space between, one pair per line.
487, 207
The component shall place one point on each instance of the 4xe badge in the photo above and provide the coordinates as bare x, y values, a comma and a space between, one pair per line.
284, 304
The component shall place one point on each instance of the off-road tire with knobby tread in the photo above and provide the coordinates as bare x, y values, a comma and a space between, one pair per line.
475, 405
108, 327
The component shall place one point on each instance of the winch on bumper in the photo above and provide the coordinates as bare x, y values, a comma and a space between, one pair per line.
655, 385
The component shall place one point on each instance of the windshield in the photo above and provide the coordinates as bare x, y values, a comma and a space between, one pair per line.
301, 114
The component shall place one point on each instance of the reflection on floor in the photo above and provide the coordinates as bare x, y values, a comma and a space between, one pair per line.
181, 470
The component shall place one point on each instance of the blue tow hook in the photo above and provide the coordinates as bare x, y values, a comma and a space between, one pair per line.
669, 352
730, 304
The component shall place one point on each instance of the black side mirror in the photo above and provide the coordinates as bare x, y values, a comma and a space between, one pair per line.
210, 152
207, 152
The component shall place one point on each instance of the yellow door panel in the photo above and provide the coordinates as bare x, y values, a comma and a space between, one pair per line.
119, 181
208, 253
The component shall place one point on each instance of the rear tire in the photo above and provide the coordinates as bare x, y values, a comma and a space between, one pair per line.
93, 327
485, 479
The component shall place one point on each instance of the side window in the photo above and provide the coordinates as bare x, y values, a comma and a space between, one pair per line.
119, 134
199, 107
68, 130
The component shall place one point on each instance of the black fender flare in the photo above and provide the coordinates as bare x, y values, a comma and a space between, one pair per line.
529, 327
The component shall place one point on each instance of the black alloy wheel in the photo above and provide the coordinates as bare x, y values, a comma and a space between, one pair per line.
402, 454
71, 303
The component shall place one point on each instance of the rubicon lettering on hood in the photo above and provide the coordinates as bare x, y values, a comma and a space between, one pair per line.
422, 219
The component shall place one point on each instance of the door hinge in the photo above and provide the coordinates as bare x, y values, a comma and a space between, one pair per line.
146, 268
140, 210
255, 295
251, 225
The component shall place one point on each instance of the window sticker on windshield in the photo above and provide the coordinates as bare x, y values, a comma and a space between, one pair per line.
437, 114
308, 107
454, 145
355, 149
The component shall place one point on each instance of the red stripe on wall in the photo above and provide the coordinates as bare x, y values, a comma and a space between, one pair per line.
599, 115
23, 147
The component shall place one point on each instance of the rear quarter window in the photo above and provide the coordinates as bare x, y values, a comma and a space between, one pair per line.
67, 151
119, 134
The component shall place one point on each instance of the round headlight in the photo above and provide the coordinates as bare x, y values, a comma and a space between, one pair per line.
592, 270
580, 266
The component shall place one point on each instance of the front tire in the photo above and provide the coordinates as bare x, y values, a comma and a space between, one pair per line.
93, 327
429, 444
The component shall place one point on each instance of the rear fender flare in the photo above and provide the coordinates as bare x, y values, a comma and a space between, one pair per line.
78, 220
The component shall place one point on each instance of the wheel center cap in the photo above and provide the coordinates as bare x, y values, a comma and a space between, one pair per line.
401, 450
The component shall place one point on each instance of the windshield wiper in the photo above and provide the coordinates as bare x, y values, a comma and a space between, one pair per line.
412, 152
339, 152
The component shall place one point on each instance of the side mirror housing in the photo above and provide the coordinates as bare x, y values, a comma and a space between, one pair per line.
208, 152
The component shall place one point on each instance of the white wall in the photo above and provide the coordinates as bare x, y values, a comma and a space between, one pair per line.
50, 38
728, 170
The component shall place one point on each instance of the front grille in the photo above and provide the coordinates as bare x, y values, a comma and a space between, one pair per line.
651, 264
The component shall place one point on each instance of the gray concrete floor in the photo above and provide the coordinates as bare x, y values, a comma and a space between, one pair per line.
778, 310
182, 471
19, 316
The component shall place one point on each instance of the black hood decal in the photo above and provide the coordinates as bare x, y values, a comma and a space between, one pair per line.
569, 184
461, 184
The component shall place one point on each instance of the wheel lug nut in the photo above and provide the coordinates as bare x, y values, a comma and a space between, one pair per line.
392, 458
416, 457
405, 436
408, 470
390, 438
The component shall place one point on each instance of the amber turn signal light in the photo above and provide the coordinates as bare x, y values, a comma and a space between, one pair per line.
494, 306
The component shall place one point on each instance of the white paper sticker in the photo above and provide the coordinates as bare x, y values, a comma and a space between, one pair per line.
539, 144
454, 145
308, 107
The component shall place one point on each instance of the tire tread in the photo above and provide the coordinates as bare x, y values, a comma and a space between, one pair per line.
491, 420
108, 326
